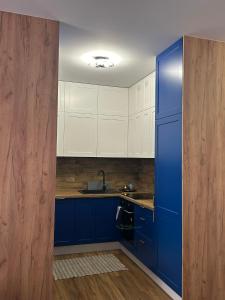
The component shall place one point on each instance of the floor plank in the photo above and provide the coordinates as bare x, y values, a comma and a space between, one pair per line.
133, 284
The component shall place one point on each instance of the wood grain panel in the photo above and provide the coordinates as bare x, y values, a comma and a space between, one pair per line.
28, 109
204, 170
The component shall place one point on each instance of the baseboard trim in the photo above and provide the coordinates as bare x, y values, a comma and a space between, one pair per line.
155, 278
62, 250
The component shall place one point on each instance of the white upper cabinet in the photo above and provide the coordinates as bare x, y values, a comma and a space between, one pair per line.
113, 101
112, 136
132, 100
153, 132
142, 95
80, 135
149, 97
135, 136
60, 133
131, 137
138, 135
61, 96
141, 135
81, 98
140, 90
60, 119
141, 130
149, 133
93, 120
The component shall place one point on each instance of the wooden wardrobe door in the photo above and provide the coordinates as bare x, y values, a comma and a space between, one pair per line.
28, 113
203, 170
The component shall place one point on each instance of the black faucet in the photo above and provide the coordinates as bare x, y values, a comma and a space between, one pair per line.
101, 172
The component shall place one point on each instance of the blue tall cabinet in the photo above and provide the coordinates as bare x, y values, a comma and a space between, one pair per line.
168, 165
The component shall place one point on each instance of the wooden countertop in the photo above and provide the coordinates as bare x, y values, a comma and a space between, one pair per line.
72, 193
146, 203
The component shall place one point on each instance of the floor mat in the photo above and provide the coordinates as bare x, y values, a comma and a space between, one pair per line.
86, 265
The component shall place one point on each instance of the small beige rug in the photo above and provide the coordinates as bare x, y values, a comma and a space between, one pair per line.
86, 265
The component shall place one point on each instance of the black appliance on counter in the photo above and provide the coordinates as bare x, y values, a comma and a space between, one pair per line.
125, 220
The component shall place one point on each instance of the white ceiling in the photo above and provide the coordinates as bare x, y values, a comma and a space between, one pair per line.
135, 30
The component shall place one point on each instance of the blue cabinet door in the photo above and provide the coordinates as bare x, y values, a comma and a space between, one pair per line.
105, 220
84, 221
168, 200
145, 250
64, 222
145, 238
169, 234
168, 163
144, 221
169, 66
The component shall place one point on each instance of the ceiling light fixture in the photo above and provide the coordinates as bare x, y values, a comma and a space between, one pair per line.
101, 59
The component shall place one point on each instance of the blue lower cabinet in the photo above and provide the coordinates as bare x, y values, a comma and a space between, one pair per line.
130, 245
105, 220
145, 236
145, 250
142, 241
64, 222
144, 221
84, 219
169, 238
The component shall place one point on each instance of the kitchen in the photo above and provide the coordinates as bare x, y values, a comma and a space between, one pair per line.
108, 172
112, 164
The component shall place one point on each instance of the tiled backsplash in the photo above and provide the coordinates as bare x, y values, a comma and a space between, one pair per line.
76, 172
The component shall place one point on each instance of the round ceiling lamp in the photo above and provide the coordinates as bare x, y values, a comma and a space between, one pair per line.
101, 59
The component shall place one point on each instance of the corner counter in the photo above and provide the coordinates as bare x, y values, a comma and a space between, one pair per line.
72, 193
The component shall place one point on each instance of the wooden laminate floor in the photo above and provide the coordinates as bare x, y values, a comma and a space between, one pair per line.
133, 284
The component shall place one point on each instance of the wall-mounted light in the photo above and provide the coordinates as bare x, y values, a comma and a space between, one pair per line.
101, 59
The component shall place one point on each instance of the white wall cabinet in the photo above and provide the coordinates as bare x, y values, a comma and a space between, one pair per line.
131, 137
112, 136
141, 130
149, 97
153, 132
60, 118
141, 134
60, 134
148, 149
140, 98
80, 135
81, 98
135, 136
113, 101
93, 120
61, 96
132, 99
142, 95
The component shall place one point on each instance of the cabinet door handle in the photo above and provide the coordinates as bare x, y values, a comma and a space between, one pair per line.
142, 219
128, 212
142, 242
